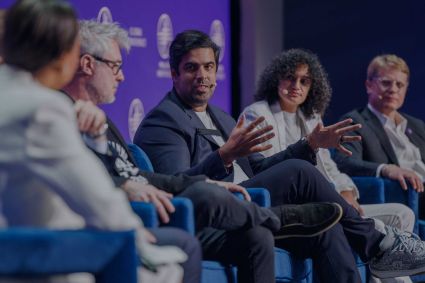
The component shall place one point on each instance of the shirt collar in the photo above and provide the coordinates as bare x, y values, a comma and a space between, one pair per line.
386, 121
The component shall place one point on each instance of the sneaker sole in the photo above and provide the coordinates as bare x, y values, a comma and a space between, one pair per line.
318, 232
393, 274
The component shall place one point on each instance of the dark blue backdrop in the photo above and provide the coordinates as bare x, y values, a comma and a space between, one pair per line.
348, 34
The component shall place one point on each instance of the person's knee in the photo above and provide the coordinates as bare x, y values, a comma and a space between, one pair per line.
297, 169
207, 196
188, 243
302, 178
406, 217
400, 216
176, 237
298, 165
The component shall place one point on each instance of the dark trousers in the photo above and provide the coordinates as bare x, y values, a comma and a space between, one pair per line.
421, 205
234, 231
172, 236
297, 181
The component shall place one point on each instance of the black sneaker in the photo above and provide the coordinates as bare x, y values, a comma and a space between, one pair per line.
306, 220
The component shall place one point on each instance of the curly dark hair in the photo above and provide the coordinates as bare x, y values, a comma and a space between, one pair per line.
286, 64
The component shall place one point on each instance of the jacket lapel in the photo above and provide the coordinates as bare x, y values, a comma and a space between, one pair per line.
224, 128
379, 131
194, 120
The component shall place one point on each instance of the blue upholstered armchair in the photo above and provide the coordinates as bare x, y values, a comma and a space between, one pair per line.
288, 268
381, 190
29, 253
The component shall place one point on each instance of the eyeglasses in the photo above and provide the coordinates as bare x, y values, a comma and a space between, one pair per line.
305, 81
114, 65
385, 83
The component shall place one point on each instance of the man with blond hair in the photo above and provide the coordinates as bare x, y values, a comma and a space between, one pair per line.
393, 143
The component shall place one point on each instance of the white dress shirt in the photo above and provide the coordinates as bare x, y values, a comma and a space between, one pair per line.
408, 155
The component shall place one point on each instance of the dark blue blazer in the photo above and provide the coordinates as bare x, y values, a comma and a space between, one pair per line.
375, 147
176, 141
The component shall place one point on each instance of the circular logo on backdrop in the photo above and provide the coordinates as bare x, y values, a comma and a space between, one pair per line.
217, 35
104, 15
136, 112
164, 35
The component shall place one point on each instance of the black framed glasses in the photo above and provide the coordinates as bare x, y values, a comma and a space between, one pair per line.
114, 65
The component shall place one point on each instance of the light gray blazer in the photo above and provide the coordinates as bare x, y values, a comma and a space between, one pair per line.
325, 164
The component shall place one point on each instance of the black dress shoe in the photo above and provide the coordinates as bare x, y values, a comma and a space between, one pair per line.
306, 220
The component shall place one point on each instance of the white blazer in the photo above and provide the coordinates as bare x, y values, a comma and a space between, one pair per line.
274, 116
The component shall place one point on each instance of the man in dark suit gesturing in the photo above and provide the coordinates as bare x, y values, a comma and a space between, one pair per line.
185, 134
393, 143
225, 225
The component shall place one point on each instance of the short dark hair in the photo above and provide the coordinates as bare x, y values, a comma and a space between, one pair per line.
286, 64
36, 32
188, 40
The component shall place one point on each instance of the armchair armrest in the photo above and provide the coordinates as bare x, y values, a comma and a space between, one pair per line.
183, 217
382, 190
394, 193
146, 212
142, 159
32, 252
260, 196
371, 189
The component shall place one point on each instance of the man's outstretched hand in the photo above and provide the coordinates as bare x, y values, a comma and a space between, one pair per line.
333, 136
245, 140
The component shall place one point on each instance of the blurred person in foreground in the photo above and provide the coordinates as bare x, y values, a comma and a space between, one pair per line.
44, 165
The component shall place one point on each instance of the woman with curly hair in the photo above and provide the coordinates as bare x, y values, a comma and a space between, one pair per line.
293, 93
